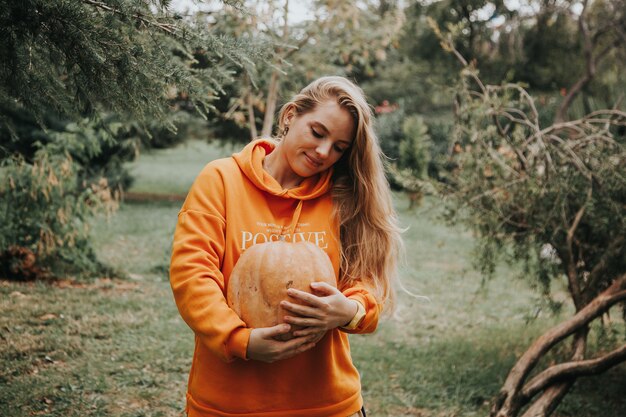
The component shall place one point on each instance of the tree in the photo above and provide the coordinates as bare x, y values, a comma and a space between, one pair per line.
345, 38
602, 32
410, 170
248, 108
415, 146
552, 197
78, 79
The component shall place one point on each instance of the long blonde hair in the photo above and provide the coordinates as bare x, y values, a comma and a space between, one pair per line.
369, 231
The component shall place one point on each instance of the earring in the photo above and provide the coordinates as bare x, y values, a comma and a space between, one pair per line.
285, 131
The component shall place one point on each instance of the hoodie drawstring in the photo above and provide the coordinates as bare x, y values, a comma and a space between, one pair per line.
294, 219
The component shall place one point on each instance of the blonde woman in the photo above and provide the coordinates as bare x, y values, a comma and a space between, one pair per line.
323, 177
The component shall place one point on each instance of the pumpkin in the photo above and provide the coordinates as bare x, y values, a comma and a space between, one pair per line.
263, 274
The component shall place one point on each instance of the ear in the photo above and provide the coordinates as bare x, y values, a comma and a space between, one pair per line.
289, 115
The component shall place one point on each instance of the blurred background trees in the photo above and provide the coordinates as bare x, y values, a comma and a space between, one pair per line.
98, 81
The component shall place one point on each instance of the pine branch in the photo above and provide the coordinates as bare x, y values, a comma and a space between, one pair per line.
165, 27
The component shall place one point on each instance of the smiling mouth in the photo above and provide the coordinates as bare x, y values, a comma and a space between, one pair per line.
313, 161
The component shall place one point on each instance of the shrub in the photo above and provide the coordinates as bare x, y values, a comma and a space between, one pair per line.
46, 206
415, 146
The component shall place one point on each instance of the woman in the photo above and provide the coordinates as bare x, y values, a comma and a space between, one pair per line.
322, 181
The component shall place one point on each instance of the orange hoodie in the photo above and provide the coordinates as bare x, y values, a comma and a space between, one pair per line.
232, 205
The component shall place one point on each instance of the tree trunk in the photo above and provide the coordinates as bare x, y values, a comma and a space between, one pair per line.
549, 400
270, 105
249, 100
556, 381
574, 369
552, 396
272, 92
251, 117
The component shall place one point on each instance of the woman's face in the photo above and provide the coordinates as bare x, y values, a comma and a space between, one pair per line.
317, 139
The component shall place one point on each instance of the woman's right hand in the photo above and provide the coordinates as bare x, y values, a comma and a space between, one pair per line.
263, 347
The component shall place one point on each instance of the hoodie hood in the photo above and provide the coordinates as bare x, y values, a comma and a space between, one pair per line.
250, 161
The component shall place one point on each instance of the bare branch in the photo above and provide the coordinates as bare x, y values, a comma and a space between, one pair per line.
574, 369
591, 119
528, 99
590, 42
510, 394
598, 270
545, 405
552, 396
614, 112
572, 272
448, 45
516, 120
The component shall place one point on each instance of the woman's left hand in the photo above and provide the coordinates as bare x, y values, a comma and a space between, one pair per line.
324, 310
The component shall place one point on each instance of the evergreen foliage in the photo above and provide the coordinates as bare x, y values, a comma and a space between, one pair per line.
78, 57
83, 83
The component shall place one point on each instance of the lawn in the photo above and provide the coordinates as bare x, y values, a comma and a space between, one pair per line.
117, 347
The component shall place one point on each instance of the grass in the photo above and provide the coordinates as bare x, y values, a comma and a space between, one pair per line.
138, 238
117, 347
97, 349
175, 173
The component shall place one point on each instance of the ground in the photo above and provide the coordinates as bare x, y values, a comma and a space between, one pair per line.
117, 347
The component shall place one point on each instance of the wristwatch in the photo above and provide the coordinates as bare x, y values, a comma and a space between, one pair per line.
358, 317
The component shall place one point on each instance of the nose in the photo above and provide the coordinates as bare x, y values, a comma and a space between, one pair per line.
323, 149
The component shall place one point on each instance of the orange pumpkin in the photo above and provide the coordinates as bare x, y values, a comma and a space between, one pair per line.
263, 273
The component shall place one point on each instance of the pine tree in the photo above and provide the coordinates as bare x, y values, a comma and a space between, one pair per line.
81, 57
80, 80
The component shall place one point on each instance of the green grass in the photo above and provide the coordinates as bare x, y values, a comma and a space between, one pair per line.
118, 347
172, 171
447, 355
111, 348
137, 239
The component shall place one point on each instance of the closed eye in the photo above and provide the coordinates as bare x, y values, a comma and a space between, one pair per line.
339, 149
316, 133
